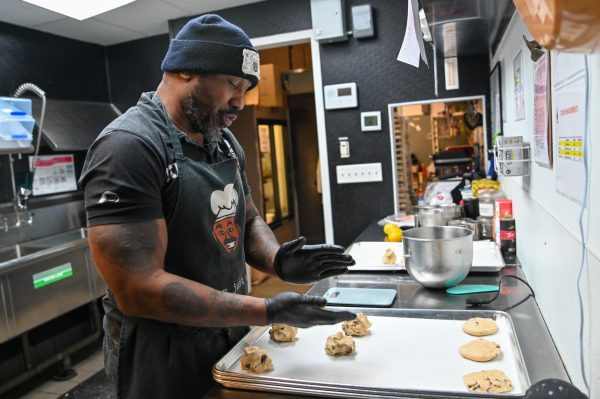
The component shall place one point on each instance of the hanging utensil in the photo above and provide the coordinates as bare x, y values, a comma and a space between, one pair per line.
472, 117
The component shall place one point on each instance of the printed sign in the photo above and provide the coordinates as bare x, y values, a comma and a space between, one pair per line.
53, 174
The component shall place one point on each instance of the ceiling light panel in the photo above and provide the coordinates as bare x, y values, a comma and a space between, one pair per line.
79, 9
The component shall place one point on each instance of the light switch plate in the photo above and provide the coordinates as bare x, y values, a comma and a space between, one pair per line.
344, 147
359, 173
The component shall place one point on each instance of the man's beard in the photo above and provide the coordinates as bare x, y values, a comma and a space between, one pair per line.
200, 117
201, 120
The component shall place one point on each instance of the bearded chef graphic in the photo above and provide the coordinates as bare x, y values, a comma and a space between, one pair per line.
224, 205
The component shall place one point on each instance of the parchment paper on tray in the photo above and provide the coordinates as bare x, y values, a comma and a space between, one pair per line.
406, 352
369, 256
401, 220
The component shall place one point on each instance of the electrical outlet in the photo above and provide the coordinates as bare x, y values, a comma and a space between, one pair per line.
359, 173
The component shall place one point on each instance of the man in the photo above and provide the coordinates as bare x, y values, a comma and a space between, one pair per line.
171, 224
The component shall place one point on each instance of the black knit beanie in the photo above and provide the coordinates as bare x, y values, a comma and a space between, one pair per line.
209, 44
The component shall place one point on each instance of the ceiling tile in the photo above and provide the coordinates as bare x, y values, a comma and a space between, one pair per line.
18, 12
199, 7
133, 21
149, 17
90, 30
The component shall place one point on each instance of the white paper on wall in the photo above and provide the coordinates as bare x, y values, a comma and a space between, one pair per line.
569, 96
412, 46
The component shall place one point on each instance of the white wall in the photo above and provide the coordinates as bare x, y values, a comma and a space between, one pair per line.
548, 240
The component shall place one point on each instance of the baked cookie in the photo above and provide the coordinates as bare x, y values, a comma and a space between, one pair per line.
389, 257
358, 327
256, 359
488, 381
480, 350
339, 344
479, 326
280, 332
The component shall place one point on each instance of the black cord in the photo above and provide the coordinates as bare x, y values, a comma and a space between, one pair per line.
475, 302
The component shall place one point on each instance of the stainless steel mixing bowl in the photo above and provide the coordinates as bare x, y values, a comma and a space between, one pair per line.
438, 257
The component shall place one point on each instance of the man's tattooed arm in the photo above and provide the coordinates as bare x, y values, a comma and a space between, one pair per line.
260, 243
130, 257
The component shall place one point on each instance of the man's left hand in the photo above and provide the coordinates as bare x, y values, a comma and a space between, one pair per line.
305, 264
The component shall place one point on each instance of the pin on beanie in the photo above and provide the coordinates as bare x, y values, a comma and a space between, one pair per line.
210, 44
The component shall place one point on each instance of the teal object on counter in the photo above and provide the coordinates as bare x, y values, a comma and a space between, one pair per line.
471, 289
379, 297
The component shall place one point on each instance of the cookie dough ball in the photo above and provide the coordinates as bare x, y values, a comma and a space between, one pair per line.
256, 359
480, 350
280, 332
479, 326
488, 381
358, 327
389, 257
339, 344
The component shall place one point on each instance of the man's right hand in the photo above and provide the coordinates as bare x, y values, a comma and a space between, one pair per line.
302, 311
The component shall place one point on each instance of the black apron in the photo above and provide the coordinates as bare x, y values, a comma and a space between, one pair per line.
206, 244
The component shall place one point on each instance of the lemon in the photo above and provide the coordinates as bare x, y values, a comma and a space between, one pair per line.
389, 227
395, 236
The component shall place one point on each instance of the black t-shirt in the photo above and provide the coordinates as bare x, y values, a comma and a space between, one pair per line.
130, 173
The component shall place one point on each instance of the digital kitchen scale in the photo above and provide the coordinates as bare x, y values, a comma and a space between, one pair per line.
377, 297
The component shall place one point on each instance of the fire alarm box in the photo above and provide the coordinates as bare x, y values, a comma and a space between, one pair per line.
328, 20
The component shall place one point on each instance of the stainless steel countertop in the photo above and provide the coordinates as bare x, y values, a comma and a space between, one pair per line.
541, 356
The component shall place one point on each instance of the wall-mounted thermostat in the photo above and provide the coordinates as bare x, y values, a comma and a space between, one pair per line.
340, 96
370, 121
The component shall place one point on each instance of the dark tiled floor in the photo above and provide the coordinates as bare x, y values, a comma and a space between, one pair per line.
95, 387
273, 286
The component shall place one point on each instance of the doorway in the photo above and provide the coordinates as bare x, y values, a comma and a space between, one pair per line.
435, 139
288, 99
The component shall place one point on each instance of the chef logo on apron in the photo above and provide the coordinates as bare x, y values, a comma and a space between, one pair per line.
224, 205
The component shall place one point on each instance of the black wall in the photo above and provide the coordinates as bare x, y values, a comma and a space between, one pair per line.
134, 68
266, 18
64, 68
74, 70
381, 80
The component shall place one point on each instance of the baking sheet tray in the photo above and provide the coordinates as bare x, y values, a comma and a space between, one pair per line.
409, 353
486, 257
369, 256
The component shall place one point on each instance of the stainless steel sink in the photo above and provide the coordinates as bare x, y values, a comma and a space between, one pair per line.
30, 247
9, 253
55, 240
45, 278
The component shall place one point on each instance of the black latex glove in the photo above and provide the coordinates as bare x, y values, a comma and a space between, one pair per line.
302, 311
305, 264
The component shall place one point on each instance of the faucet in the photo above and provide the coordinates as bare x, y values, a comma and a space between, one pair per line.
23, 216
23, 198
